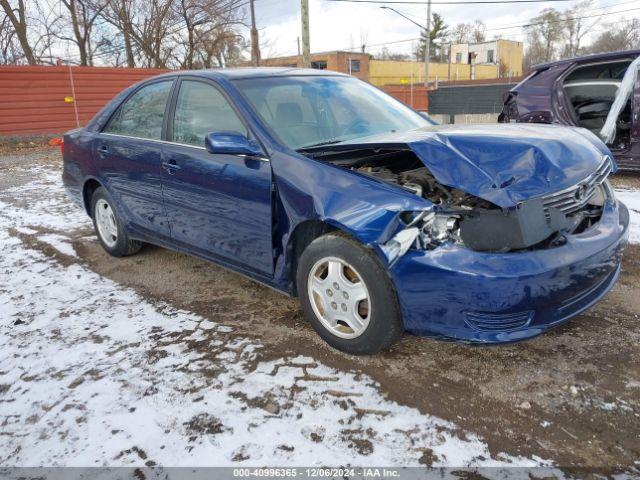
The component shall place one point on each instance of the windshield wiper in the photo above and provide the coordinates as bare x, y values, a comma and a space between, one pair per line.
320, 144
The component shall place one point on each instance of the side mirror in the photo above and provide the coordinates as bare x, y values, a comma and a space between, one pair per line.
231, 143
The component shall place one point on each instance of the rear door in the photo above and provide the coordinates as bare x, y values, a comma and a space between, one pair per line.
219, 205
128, 153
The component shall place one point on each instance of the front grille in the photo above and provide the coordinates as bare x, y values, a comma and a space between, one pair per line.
498, 322
574, 198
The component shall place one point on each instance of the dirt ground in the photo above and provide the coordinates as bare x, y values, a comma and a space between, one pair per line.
571, 396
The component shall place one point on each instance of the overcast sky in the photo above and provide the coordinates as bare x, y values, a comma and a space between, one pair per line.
340, 26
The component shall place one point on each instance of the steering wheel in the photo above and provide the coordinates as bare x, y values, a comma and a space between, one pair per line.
355, 126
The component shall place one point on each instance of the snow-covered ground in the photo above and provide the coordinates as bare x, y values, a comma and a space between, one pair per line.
92, 374
631, 198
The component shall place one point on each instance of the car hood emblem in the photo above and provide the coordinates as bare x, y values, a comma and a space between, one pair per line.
581, 193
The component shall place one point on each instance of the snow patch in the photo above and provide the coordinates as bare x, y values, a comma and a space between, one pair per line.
92, 374
59, 242
631, 198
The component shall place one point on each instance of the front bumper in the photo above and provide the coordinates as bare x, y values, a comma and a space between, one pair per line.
504, 297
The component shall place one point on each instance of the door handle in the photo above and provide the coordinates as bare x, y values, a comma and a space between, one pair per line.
170, 166
103, 151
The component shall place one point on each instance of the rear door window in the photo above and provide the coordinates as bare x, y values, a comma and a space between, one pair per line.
142, 114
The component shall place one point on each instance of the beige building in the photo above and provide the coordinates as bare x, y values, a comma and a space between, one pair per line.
396, 72
504, 55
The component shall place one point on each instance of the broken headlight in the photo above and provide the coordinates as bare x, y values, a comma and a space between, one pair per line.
426, 231
441, 228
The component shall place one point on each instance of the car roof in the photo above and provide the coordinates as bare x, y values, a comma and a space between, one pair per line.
255, 72
589, 58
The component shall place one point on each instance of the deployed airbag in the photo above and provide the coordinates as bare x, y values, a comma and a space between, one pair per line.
608, 132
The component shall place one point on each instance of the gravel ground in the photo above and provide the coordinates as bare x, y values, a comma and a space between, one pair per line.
164, 359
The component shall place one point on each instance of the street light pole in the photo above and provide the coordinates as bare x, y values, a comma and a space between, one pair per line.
427, 50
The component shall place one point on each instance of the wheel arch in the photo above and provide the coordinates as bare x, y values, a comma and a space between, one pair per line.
306, 232
90, 185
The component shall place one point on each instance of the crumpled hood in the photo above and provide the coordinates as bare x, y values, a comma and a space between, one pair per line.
502, 163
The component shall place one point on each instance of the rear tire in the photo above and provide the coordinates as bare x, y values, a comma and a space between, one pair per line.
109, 228
347, 295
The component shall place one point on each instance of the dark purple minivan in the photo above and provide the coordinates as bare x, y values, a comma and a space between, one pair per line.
581, 92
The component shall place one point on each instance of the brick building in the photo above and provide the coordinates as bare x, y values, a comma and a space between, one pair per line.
352, 63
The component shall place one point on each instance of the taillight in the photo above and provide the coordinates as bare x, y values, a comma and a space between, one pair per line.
57, 141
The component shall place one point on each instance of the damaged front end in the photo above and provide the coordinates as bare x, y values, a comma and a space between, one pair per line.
457, 217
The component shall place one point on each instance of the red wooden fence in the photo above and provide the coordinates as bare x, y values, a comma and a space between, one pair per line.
415, 96
45, 100
32, 99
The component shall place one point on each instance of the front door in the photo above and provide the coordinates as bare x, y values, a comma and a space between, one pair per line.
219, 205
128, 153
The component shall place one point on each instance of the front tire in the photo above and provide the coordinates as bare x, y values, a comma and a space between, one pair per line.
109, 227
347, 296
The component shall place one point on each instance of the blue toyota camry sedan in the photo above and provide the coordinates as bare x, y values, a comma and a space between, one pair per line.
381, 222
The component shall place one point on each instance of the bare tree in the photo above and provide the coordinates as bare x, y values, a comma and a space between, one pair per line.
120, 14
152, 31
478, 32
149, 33
145, 27
83, 14
503, 69
16, 12
221, 47
43, 29
206, 28
575, 25
543, 34
618, 36
193, 14
469, 32
461, 33
9, 48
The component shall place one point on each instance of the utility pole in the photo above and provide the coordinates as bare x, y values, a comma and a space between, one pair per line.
306, 49
427, 47
255, 43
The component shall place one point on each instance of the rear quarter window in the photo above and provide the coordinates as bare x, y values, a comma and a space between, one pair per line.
142, 114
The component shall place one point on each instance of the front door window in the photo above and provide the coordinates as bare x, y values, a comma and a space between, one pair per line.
201, 109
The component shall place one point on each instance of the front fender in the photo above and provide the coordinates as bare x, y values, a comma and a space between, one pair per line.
363, 207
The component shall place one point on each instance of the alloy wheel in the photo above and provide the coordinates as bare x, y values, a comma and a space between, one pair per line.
106, 223
339, 297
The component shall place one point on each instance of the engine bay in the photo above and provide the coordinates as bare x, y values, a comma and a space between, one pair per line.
420, 182
463, 218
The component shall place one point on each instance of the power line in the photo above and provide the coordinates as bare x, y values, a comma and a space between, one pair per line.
454, 2
604, 7
562, 20
413, 39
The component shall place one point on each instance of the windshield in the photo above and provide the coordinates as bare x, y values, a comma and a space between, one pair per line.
308, 111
